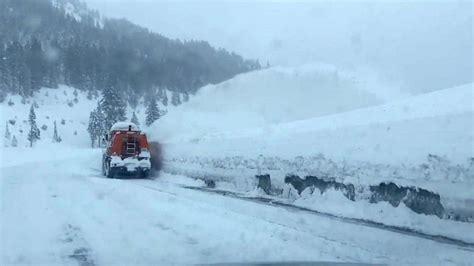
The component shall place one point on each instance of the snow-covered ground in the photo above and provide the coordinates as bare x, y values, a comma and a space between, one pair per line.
63, 212
58, 209
71, 116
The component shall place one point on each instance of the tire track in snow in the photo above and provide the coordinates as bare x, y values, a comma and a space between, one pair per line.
81, 252
396, 229
277, 204
148, 184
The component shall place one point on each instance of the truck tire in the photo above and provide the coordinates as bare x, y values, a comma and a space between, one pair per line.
103, 168
108, 172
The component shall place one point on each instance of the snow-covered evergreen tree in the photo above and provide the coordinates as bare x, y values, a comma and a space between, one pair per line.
56, 137
92, 127
89, 95
96, 126
34, 133
102, 128
3, 93
175, 99
7, 132
14, 142
113, 106
153, 113
164, 98
75, 93
185, 96
135, 119
160, 93
132, 98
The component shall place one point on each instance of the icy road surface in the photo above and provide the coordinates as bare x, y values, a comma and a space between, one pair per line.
60, 210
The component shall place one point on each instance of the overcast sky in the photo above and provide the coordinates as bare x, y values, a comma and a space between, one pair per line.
423, 46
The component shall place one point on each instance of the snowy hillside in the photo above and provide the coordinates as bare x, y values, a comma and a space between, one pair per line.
77, 9
272, 96
70, 112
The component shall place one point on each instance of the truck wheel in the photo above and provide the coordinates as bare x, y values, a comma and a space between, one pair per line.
103, 168
108, 172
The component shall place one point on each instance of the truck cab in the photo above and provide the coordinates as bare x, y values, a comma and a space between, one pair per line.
127, 152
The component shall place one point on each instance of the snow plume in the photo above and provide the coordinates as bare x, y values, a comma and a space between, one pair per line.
272, 96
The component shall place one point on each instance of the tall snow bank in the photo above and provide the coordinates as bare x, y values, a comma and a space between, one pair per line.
404, 131
425, 141
270, 96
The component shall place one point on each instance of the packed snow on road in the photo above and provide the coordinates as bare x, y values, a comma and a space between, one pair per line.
69, 213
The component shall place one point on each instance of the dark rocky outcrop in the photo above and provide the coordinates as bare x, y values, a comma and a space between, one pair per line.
322, 184
264, 183
418, 200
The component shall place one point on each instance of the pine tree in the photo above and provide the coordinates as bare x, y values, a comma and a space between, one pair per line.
135, 119
56, 137
92, 127
89, 95
7, 132
101, 128
132, 98
36, 64
175, 99
14, 142
34, 133
153, 113
160, 93
112, 106
96, 126
75, 96
3, 91
164, 99
185, 96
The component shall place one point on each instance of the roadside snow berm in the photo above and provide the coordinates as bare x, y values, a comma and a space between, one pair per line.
127, 152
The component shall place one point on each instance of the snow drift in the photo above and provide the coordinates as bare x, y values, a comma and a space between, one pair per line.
270, 96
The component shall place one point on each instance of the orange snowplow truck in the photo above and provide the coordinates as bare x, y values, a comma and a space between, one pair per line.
127, 152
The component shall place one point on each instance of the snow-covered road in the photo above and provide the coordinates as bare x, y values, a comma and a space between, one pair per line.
62, 211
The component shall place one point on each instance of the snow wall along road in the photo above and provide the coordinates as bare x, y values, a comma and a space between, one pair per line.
324, 123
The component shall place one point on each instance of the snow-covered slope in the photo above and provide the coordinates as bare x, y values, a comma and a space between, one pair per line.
77, 9
71, 116
53, 105
272, 96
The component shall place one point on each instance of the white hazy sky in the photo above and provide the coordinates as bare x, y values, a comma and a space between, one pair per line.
422, 45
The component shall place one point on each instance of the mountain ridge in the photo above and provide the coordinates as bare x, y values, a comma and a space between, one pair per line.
45, 43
